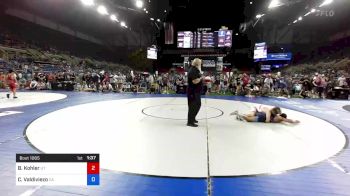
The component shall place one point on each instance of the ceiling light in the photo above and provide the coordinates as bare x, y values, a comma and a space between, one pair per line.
88, 2
158, 20
326, 2
122, 24
275, 3
152, 19
146, 12
139, 3
114, 18
300, 18
295, 21
313, 10
102, 10
260, 15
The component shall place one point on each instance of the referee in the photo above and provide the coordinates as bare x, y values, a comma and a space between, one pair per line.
194, 92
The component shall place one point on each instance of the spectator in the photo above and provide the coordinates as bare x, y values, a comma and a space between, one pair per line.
33, 85
245, 80
268, 83
2, 80
342, 81
317, 82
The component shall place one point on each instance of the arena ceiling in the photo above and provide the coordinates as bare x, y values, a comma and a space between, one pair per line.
328, 19
192, 14
186, 14
74, 14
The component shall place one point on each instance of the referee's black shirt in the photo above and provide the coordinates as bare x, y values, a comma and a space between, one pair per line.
193, 74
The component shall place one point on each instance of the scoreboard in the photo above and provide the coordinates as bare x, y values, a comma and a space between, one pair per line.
208, 39
58, 169
185, 39
204, 38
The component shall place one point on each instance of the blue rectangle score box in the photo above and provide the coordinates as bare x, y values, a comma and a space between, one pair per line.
93, 179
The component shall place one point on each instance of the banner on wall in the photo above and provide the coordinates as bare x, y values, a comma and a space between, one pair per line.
209, 63
279, 56
169, 33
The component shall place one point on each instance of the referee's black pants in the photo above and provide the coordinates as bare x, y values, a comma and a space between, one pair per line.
194, 105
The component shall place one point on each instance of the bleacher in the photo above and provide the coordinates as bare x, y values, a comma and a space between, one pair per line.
50, 68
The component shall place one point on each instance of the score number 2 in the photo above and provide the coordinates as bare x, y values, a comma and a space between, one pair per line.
93, 168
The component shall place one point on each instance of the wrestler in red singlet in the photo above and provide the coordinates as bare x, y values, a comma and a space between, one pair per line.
11, 81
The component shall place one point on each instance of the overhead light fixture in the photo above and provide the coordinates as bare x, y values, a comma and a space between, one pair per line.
300, 18
102, 10
251, 2
88, 2
275, 3
144, 9
158, 20
114, 18
164, 11
146, 12
260, 15
122, 23
307, 14
139, 4
326, 2
152, 19
295, 21
313, 10
236, 33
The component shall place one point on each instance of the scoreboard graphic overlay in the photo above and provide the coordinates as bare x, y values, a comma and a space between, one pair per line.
58, 169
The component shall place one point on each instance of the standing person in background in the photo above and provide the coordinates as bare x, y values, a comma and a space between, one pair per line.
11, 82
194, 92
2, 80
245, 80
324, 82
165, 83
306, 87
268, 83
160, 83
317, 82
105, 78
208, 82
96, 81
217, 83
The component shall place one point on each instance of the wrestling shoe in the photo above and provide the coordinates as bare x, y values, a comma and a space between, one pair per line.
192, 125
239, 117
195, 121
8, 96
15, 97
234, 113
